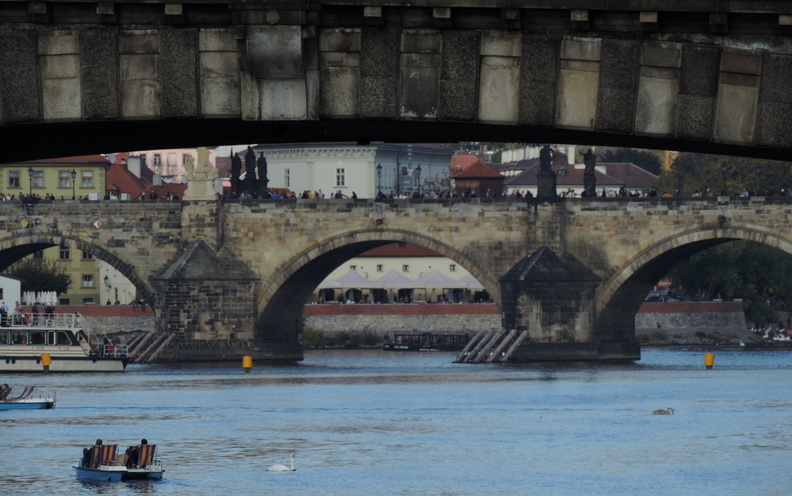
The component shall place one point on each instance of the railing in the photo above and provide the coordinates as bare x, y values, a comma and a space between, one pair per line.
39, 320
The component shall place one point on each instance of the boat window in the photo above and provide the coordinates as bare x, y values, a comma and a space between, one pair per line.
37, 337
63, 338
19, 337
4, 338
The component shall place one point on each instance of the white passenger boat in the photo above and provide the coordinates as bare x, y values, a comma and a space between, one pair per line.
57, 343
104, 463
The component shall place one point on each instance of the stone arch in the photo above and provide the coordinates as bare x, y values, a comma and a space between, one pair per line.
620, 297
283, 296
19, 246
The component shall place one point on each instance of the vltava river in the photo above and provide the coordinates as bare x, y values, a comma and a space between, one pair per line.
373, 423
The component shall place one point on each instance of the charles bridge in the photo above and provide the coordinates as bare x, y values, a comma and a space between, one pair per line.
572, 273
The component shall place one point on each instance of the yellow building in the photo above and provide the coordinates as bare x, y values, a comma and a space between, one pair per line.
62, 179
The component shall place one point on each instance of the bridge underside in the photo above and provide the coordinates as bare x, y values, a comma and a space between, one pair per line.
81, 138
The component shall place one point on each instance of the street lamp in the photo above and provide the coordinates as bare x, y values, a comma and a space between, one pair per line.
74, 177
379, 179
724, 169
418, 178
30, 181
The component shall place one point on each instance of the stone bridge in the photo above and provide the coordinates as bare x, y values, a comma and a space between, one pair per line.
83, 76
572, 273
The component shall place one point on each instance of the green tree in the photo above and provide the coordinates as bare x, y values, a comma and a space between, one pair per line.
756, 273
38, 274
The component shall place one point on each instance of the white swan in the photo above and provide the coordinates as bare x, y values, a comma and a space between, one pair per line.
669, 411
283, 468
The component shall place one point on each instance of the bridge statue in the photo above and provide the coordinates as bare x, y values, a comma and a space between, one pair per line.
546, 177
236, 170
250, 171
261, 165
589, 179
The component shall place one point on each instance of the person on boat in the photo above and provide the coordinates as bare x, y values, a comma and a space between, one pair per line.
109, 346
35, 313
4, 390
88, 453
133, 453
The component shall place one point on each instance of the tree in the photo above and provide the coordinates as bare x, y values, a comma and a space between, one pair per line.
38, 274
753, 272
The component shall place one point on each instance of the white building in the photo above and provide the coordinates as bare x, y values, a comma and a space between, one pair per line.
362, 170
10, 291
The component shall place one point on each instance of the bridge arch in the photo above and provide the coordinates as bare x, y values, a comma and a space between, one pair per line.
283, 296
623, 293
20, 245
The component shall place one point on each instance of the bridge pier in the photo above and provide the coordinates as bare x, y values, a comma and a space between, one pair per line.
553, 298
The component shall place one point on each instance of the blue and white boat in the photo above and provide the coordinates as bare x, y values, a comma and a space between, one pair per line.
103, 463
26, 400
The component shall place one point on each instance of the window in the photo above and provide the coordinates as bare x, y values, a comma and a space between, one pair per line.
64, 301
353, 267
379, 267
87, 281
88, 300
37, 180
64, 253
86, 255
287, 178
340, 177
64, 179
39, 254
87, 179
186, 158
405, 268
452, 268
13, 179
157, 159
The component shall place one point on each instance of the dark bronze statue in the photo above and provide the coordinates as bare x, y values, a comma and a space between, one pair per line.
589, 179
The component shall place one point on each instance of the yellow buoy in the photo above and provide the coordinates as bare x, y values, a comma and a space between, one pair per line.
709, 360
46, 361
247, 362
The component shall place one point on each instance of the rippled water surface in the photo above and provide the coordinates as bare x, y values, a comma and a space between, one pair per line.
374, 423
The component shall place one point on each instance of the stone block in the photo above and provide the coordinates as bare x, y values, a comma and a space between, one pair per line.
419, 90
339, 40
776, 83
661, 54
282, 99
735, 115
656, 105
144, 66
581, 49
140, 41
61, 66
378, 97
741, 63
421, 41
58, 43
379, 72
179, 75
773, 125
538, 78
498, 97
217, 40
99, 74
140, 98
275, 52
618, 79
19, 79
220, 97
501, 44
699, 75
218, 65
458, 92
577, 97
64, 99
339, 91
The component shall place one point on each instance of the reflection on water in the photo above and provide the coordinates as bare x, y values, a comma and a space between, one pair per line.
375, 423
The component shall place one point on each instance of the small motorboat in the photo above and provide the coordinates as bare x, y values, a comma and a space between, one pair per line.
26, 400
101, 462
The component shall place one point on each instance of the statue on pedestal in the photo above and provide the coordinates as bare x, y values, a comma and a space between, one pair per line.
589, 179
546, 177
261, 165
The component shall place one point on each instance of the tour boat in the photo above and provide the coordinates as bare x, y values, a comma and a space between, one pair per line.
25, 400
103, 463
426, 341
56, 343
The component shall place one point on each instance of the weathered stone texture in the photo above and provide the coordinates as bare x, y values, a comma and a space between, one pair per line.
179, 73
618, 83
99, 71
579, 83
658, 89
698, 88
538, 79
19, 80
379, 72
458, 96
773, 124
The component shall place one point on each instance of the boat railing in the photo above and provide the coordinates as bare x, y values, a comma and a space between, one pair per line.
115, 350
71, 320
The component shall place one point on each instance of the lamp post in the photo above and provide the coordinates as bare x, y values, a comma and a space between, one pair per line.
379, 179
30, 181
418, 178
724, 168
74, 177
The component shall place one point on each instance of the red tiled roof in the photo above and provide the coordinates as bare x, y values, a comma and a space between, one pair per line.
120, 179
477, 170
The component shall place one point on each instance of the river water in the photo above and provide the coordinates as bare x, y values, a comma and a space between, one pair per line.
374, 423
